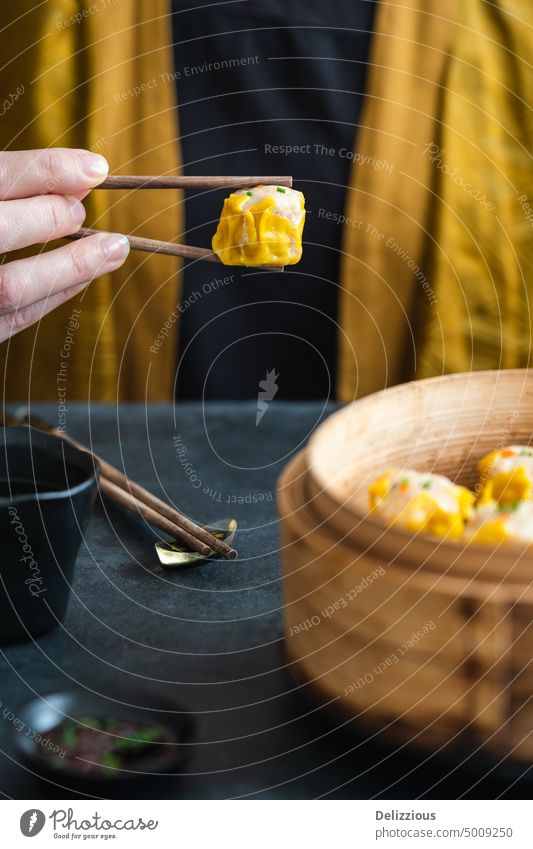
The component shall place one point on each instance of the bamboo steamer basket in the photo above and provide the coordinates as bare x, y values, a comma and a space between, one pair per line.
443, 425
426, 641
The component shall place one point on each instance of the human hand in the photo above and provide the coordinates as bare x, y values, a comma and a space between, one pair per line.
40, 200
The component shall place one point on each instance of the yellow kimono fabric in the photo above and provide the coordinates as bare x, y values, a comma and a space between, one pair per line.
439, 275
482, 258
77, 62
385, 282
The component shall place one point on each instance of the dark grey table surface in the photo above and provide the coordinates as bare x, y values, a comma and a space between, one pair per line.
209, 637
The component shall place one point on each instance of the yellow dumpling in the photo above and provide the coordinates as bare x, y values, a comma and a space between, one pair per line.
506, 475
421, 502
494, 523
261, 226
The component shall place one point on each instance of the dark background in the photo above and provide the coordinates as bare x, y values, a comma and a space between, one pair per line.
306, 88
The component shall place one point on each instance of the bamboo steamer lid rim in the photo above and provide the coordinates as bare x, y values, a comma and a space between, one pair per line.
397, 537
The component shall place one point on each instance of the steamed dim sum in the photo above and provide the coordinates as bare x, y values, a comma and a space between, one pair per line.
421, 502
261, 226
494, 523
506, 475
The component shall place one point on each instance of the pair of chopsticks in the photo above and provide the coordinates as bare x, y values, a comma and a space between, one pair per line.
139, 243
138, 500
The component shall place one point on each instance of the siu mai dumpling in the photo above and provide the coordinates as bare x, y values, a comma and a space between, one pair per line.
421, 502
506, 475
261, 226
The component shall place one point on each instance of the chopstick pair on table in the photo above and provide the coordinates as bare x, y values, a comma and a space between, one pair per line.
136, 499
139, 243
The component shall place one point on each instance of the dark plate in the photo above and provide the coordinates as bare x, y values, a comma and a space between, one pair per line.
41, 715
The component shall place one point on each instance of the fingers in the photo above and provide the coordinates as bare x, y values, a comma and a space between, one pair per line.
28, 222
26, 281
21, 319
59, 171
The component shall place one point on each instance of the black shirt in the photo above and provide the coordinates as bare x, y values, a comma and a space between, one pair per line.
267, 87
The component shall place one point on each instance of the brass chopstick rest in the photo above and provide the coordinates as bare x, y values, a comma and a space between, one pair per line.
172, 555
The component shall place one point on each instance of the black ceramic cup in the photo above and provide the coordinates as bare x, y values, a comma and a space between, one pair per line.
47, 491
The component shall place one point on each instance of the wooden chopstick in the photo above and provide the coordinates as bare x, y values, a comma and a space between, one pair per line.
154, 246
138, 243
139, 500
130, 502
131, 181
164, 510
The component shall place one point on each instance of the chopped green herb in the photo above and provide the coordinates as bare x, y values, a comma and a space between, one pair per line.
509, 508
281, 190
110, 761
90, 722
140, 738
69, 736
250, 194
427, 484
105, 750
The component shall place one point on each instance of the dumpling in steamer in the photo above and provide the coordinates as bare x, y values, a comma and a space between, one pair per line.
261, 226
506, 475
421, 502
494, 523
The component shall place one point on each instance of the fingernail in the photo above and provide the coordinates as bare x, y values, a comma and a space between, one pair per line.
94, 166
77, 210
115, 249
